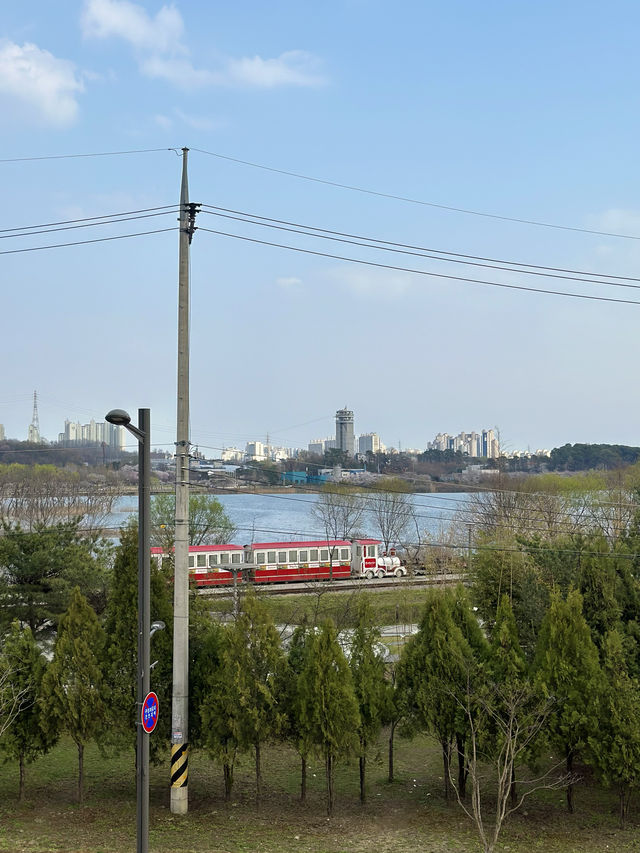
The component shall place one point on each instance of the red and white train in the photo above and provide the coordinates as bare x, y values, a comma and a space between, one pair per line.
284, 562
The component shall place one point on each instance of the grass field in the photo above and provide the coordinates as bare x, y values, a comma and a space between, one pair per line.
409, 815
402, 605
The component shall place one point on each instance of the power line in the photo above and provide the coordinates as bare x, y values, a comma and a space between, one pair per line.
420, 251
563, 519
85, 242
466, 211
421, 272
525, 521
167, 207
468, 487
77, 156
85, 225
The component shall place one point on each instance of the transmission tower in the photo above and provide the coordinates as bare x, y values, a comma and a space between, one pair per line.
33, 434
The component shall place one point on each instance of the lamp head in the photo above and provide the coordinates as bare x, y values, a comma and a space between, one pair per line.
118, 417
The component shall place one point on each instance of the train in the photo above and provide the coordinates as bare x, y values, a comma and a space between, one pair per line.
287, 562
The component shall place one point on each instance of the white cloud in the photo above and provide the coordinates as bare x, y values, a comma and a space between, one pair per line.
131, 22
293, 68
41, 85
618, 221
194, 121
163, 121
373, 284
288, 282
158, 44
198, 122
176, 70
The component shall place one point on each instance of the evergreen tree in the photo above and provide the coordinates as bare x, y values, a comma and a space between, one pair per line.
616, 744
507, 677
395, 713
254, 656
567, 669
73, 690
24, 739
435, 669
328, 706
367, 668
296, 723
219, 710
121, 628
38, 570
499, 568
206, 644
598, 581
506, 659
465, 618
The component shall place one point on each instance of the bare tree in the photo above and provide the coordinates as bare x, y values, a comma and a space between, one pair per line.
13, 699
391, 509
551, 505
339, 509
42, 495
514, 715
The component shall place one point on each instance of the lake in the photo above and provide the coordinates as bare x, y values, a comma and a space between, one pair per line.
284, 517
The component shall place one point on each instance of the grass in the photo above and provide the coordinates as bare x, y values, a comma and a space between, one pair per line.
401, 606
410, 814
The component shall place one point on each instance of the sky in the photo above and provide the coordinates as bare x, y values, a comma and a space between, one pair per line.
446, 127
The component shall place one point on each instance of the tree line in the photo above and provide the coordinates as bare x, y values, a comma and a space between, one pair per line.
487, 701
539, 654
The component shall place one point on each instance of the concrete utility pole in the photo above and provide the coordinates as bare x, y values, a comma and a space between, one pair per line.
180, 701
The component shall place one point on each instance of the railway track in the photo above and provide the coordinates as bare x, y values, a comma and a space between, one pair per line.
311, 587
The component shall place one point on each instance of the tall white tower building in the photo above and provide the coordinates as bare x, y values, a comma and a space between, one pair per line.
345, 439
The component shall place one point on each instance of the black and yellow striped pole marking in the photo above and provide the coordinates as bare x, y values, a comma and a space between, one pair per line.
179, 765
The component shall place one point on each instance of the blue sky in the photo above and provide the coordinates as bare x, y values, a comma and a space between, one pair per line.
528, 111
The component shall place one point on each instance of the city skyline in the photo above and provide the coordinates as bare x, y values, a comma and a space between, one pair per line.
484, 443
478, 157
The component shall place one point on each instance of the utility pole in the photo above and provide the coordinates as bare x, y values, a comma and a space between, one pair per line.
180, 699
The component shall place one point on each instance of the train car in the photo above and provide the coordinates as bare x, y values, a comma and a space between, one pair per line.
285, 562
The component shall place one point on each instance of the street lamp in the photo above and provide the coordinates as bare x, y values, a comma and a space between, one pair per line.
142, 432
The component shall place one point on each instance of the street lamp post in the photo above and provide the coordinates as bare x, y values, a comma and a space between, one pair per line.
142, 432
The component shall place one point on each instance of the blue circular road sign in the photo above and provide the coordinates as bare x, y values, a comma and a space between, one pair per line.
150, 712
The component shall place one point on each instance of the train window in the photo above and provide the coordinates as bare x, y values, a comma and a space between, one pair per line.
313, 555
344, 553
201, 560
235, 558
304, 556
224, 559
293, 556
371, 550
248, 556
359, 550
260, 557
191, 562
213, 559
282, 556
271, 556
324, 555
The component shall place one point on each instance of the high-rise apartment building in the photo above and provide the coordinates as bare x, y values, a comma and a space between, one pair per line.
472, 443
345, 439
369, 442
77, 434
321, 445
